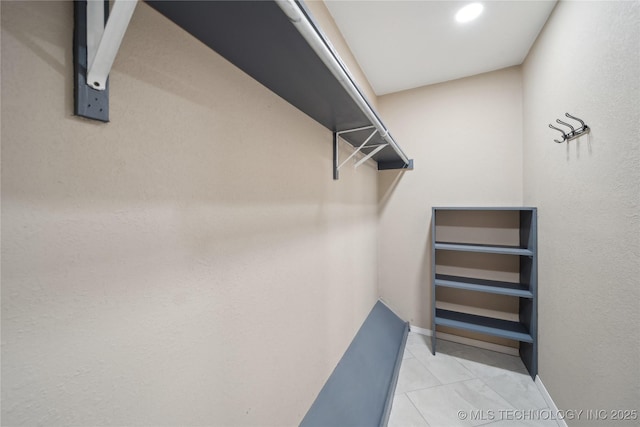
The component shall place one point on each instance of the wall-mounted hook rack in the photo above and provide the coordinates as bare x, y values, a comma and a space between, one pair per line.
574, 133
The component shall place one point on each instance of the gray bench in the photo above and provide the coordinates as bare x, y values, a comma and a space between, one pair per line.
360, 390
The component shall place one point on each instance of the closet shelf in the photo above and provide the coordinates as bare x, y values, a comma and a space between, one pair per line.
279, 44
480, 225
489, 249
483, 285
485, 325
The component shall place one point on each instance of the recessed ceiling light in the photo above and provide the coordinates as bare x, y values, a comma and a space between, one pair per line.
469, 12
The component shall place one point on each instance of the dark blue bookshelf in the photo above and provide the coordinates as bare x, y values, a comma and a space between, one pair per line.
525, 290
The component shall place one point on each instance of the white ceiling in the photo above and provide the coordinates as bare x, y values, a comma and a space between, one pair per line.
405, 44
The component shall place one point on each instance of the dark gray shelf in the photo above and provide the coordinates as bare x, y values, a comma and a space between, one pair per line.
485, 325
482, 285
489, 249
526, 329
484, 208
360, 390
259, 38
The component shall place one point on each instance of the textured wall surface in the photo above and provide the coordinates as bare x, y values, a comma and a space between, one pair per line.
466, 139
190, 263
586, 63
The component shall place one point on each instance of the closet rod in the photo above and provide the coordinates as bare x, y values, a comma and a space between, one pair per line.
326, 53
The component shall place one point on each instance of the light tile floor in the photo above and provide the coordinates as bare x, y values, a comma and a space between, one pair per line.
465, 386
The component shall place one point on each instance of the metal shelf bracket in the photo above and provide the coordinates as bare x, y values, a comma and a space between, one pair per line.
97, 38
336, 136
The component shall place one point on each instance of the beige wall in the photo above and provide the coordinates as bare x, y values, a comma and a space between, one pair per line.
466, 139
588, 193
190, 263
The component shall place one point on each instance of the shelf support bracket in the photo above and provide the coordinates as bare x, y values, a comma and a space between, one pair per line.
357, 150
336, 173
97, 38
336, 136
103, 41
370, 155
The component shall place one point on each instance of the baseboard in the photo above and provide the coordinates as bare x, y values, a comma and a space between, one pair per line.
511, 351
419, 330
547, 398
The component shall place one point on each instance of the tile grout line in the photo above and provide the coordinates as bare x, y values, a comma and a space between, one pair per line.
499, 394
473, 376
419, 412
444, 385
515, 381
507, 400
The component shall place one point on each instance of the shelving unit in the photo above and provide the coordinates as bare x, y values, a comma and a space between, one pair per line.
278, 43
496, 232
